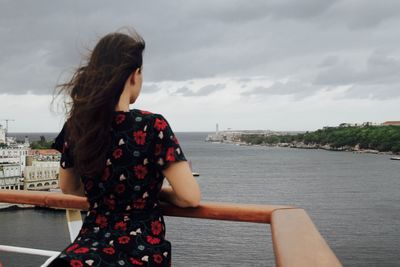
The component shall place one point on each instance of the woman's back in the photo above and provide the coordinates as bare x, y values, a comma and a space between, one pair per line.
124, 224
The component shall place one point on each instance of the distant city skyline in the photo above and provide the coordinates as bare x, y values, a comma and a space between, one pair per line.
270, 65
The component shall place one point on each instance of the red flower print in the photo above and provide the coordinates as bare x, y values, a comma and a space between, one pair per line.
140, 171
109, 250
109, 202
120, 226
160, 124
157, 258
157, 149
123, 239
140, 203
101, 221
136, 261
106, 174
71, 248
76, 263
117, 153
170, 154
156, 227
153, 240
145, 112
120, 188
120, 118
140, 137
81, 250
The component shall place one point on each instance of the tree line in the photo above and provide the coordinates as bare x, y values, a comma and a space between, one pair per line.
381, 138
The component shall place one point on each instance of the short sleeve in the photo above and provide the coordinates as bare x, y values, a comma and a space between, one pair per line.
165, 148
60, 143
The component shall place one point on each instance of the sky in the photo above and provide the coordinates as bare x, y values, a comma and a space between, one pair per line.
284, 65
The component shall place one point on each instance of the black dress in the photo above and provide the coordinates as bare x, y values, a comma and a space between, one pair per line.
124, 225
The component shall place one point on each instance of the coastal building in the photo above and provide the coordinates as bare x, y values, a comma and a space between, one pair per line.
12, 163
345, 124
2, 135
233, 136
41, 175
10, 176
42, 170
15, 154
44, 154
395, 123
25, 168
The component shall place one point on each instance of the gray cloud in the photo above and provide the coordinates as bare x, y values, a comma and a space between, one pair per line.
150, 88
283, 39
380, 68
360, 14
294, 88
203, 91
373, 92
328, 61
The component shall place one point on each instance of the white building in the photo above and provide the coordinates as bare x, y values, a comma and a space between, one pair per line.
41, 175
10, 176
15, 154
2, 134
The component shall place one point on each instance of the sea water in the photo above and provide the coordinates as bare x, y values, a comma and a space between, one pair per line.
353, 199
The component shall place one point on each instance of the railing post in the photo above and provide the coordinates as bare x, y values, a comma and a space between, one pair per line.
74, 220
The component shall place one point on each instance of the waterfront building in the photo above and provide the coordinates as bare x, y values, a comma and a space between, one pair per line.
2, 135
233, 136
41, 175
396, 123
42, 170
345, 124
15, 154
10, 176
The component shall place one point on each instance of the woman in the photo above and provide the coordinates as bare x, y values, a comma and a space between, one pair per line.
118, 157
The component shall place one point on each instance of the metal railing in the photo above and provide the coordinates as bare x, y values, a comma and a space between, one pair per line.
296, 240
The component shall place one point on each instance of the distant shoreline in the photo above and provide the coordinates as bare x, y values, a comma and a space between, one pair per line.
313, 146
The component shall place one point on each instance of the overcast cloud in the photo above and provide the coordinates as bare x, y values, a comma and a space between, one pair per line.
242, 64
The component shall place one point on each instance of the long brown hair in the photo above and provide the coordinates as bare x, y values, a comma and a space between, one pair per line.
94, 90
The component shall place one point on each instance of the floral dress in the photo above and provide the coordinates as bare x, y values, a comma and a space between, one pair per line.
124, 225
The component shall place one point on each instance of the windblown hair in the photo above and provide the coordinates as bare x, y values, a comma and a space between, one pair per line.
94, 91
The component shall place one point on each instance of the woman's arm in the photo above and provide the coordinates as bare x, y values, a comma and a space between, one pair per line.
167, 194
70, 182
184, 191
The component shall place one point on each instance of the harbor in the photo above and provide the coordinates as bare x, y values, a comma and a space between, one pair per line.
295, 139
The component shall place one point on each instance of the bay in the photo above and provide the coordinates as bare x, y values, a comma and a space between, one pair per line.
353, 199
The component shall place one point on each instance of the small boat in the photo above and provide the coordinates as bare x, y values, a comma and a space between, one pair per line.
395, 158
196, 174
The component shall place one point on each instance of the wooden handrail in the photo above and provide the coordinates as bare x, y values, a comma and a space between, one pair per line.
206, 210
296, 240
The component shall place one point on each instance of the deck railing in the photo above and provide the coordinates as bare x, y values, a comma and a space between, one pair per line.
296, 240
